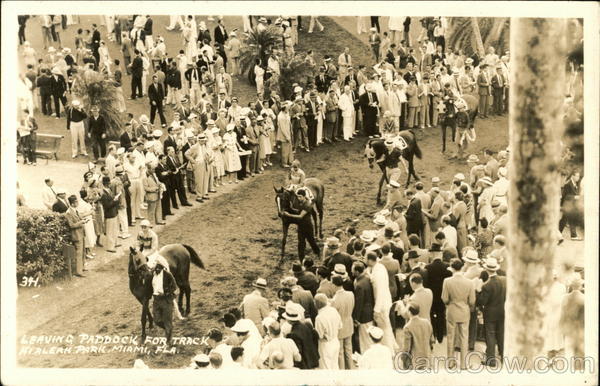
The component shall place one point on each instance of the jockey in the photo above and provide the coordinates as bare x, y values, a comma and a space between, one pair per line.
296, 176
147, 240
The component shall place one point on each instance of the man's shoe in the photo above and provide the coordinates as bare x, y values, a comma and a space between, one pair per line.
160, 223
79, 275
187, 204
111, 251
199, 200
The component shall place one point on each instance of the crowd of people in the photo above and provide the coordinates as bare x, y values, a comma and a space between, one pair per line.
432, 270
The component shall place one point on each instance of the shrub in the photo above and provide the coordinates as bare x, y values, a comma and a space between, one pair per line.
40, 238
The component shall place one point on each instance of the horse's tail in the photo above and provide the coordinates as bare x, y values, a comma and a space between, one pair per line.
418, 150
194, 258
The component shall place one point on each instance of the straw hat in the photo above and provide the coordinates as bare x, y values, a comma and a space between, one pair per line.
491, 264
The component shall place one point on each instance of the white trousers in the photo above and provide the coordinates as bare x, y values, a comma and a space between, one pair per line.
329, 352
111, 233
364, 340
314, 20
123, 225
137, 197
149, 43
348, 126
195, 93
319, 129
78, 138
175, 21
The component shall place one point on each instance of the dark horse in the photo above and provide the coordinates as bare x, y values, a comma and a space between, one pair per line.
179, 257
453, 118
287, 201
377, 152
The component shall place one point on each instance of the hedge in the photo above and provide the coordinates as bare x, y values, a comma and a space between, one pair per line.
41, 235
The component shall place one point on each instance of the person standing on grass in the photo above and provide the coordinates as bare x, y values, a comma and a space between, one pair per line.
375, 42
58, 87
156, 95
137, 71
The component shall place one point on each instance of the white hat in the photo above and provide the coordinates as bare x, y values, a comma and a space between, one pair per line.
148, 144
120, 150
491, 264
75, 102
375, 332
266, 322
471, 256
435, 180
67, 50
373, 247
144, 118
192, 115
380, 220
60, 191
367, 236
339, 269
502, 171
215, 130
51, 49
240, 326
459, 177
373, 29
230, 127
385, 212
297, 89
233, 34
260, 283
210, 122
244, 111
293, 311
201, 358
145, 223
157, 133
189, 133
56, 71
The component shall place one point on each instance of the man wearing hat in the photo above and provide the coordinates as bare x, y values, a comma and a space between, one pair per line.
299, 127
163, 291
61, 204
343, 302
147, 240
199, 157
328, 323
377, 356
491, 301
255, 306
306, 279
58, 89
110, 204
332, 245
200, 361
364, 302
156, 95
375, 43
76, 123
303, 334
369, 104
251, 342
498, 85
472, 271
76, 224
279, 352
153, 189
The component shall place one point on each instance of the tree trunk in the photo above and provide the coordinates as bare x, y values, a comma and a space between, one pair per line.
537, 87
495, 33
477, 37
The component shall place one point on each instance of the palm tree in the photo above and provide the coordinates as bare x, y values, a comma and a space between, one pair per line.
257, 45
472, 34
294, 69
95, 89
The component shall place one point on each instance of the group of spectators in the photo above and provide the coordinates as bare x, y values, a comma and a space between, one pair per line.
433, 268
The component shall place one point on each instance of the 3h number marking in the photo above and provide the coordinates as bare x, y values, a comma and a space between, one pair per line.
28, 281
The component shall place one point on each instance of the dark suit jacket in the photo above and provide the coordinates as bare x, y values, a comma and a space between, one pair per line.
58, 86
437, 271
125, 140
188, 75
349, 78
492, 297
483, 84
137, 67
160, 170
306, 338
389, 57
96, 126
414, 218
339, 258
172, 166
308, 281
59, 207
569, 191
174, 78
221, 37
169, 142
321, 83
156, 93
364, 300
148, 27
111, 207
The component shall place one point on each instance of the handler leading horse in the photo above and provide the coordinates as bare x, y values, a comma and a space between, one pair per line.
453, 117
293, 209
178, 257
376, 152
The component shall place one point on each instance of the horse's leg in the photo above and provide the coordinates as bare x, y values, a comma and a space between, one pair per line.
443, 137
188, 297
144, 310
321, 220
286, 225
180, 299
150, 317
303, 234
314, 215
383, 177
411, 167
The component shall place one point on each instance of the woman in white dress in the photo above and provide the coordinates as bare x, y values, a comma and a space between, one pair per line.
485, 199
264, 143
105, 60
86, 211
259, 76
190, 42
219, 163
231, 155
320, 119
146, 66
29, 55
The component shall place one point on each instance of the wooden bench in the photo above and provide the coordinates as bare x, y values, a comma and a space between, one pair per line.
47, 145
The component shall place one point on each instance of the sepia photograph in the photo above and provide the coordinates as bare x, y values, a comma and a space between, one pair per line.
344, 198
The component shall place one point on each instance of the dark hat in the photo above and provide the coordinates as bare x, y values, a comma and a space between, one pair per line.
435, 247
228, 319
297, 268
388, 232
284, 294
412, 254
